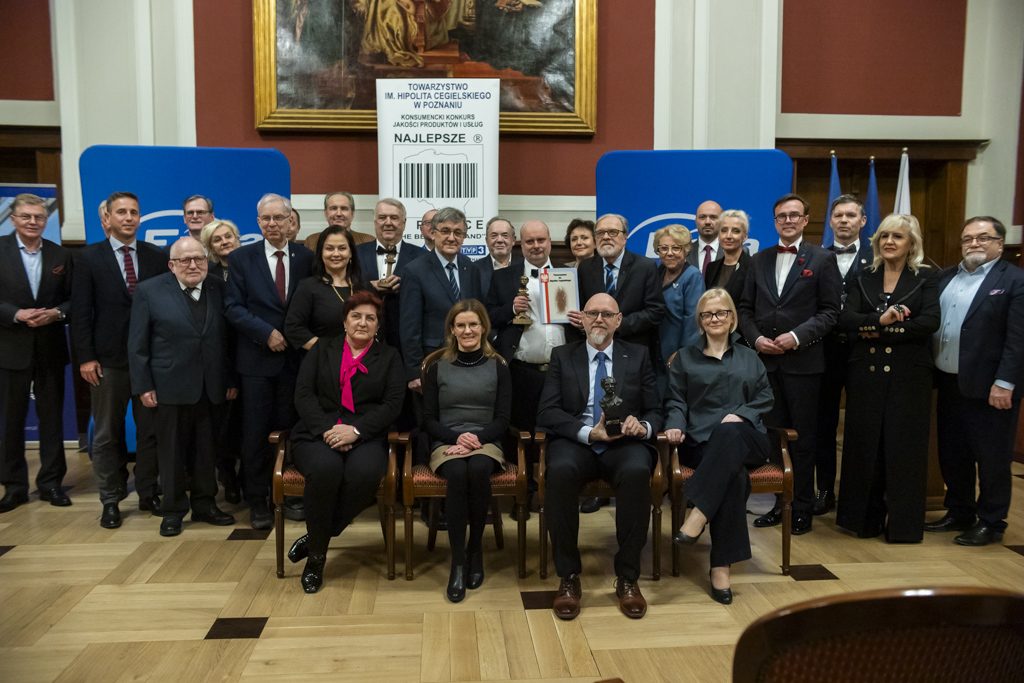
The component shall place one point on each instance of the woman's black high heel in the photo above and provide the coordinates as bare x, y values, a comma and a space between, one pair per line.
679, 538
313, 574
721, 595
456, 590
474, 569
299, 551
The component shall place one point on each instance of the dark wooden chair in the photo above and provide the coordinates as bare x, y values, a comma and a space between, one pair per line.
419, 481
288, 481
939, 635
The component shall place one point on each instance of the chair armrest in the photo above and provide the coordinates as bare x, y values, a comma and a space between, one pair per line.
785, 436
658, 476
395, 439
407, 492
283, 444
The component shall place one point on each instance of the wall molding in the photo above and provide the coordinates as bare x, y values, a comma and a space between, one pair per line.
185, 72
30, 112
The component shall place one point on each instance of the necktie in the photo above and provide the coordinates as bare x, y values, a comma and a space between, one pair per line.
851, 249
707, 259
279, 276
785, 250
453, 282
190, 292
381, 250
599, 375
129, 269
609, 279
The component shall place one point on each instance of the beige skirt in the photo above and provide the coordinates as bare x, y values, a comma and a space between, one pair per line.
438, 458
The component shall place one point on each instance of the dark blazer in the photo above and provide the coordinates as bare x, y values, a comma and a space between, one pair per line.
377, 394
992, 336
19, 343
486, 271
696, 255
736, 281
367, 253
218, 271
169, 353
100, 304
426, 299
567, 388
809, 306
253, 307
638, 294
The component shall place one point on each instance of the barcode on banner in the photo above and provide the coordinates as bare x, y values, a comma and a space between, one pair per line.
438, 181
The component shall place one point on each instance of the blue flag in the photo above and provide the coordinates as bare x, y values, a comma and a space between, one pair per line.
833, 192
871, 210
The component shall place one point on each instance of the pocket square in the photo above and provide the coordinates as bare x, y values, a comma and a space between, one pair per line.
996, 291
58, 270
807, 273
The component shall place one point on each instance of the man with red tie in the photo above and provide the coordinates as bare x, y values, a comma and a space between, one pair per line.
791, 300
706, 249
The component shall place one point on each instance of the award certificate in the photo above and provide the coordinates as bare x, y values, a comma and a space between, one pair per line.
560, 293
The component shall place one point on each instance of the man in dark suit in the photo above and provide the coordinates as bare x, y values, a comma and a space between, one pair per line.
791, 300
35, 298
979, 362
180, 367
846, 218
106, 274
706, 249
580, 449
264, 276
500, 236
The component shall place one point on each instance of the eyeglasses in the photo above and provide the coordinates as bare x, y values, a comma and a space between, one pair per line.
606, 315
784, 218
30, 217
981, 239
670, 249
199, 212
448, 232
279, 218
706, 316
186, 262
608, 233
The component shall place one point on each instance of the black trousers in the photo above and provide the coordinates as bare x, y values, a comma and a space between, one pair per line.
467, 497
268, 405
338, 485
971, 433
180, 428
830, 396
627, 465
229, 439
720, 485
796, 407
49, 391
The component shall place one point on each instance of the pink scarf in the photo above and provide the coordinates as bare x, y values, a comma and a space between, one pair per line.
349, 366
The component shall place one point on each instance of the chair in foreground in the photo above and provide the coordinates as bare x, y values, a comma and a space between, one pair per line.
939, 635
288, 481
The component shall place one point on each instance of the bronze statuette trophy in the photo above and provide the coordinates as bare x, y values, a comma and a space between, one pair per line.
523, 318
391, 257
612, 407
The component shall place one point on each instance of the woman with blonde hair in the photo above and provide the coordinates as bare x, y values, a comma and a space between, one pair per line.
219, 238
681, 285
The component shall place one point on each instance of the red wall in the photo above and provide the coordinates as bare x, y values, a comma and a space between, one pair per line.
873, 57
540, 165
26, 65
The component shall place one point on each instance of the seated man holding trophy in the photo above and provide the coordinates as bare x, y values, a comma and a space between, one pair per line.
595, 432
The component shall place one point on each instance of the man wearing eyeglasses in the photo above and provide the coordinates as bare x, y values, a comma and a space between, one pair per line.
791, 300
264, 275
581, 449
979, 359
198, 212
179, 359
35, 298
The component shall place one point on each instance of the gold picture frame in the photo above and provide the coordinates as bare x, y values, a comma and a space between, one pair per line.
581, 120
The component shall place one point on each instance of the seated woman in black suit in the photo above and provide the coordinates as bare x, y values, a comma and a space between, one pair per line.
717, 393
891, 312
467, 399
316, 307
730, 271
348, 393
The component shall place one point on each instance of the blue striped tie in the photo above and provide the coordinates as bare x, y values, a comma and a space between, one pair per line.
453, 281
609, 279
599, 374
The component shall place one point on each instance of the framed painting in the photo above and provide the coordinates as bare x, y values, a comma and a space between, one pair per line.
316, 62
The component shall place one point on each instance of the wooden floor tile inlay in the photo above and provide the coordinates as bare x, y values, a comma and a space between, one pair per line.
239, 627
538, 599
249, 535
811, 572
6, 548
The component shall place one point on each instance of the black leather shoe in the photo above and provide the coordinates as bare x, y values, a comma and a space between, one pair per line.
55, 496
456, 590
313, 574
679, 538
593, 504
111, 518
232, 489
801, 523
294, 509
950, 522
170, 525
260, 517
12, 500
474, 569
299, 549
824, 502
721, 595
978, 535
771, 518
151, 504
212, 515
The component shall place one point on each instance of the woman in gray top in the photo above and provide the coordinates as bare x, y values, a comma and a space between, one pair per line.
717, 393
467, 398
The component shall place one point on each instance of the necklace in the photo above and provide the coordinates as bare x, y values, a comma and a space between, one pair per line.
335, 290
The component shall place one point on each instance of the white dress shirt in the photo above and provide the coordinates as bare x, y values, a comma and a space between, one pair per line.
784, 263
116, 245
583, 436
702, 250
382, 259
538, 339
271, 251
196, 291
33, 262
845, 261
616, 266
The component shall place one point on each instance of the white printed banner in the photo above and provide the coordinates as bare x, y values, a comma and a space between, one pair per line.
437, 144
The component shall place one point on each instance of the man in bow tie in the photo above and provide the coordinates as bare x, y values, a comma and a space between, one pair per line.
791, 300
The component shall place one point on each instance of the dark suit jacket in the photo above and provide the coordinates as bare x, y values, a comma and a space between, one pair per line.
486, 271
567, 388
19, 343
992, 335
253, 307
638, 294
736, 281
696, 255
100, 304
367, 252
808, 307
377, 394
169, 353
426, 299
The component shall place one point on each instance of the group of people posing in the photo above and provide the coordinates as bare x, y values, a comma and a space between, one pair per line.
708, 345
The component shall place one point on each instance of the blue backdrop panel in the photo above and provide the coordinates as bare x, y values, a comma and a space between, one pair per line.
162, 177
655, 189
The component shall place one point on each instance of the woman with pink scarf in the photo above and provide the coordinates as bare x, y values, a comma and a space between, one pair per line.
348, 393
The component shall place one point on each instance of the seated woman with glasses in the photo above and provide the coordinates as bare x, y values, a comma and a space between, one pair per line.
467, 400
730, 271
718, 392
681, 285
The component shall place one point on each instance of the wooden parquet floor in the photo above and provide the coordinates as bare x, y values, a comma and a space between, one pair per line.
79, 603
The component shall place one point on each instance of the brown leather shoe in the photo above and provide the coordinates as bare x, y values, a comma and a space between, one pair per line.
631, 600
567, 602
